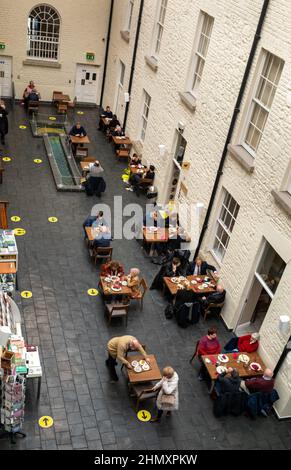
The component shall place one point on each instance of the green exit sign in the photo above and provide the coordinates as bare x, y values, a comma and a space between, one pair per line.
2, 45
90, 55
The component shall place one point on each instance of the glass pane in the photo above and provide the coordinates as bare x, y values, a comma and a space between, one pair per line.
271, 267
94, 75
87, 76
224, 239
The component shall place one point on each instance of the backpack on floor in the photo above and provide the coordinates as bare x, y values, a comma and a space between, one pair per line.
169, 312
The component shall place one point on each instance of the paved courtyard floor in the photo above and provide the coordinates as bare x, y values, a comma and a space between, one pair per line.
68, 325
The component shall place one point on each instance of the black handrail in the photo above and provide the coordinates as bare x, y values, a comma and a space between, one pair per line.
106, 52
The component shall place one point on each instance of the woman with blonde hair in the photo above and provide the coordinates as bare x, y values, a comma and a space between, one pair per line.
168, 397
133, 281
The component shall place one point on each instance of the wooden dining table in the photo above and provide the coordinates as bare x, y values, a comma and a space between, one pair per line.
92, 233
79, 140
106, 287
8, 268
245, 372
174, 287
121, 141
151, 375
136, 171
161, 235
60, 97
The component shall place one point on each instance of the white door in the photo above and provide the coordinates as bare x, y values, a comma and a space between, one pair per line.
5, 76
86, 83
119, 100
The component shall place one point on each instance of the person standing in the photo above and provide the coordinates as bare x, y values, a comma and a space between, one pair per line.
3, 122
118, 348
168, 397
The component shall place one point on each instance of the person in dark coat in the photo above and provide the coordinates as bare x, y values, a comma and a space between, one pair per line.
107, 113
95, 185
171, 269
186, 303
199, 267
3, 122
103, 239
263, 384
216, 297
228, 381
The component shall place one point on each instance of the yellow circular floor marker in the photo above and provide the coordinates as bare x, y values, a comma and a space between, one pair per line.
37, 160
26, 294
52, 118
15, 218
80, 112
22, 127
144, 415
19, 232
53, 220
6, 159
45, 422
93, 292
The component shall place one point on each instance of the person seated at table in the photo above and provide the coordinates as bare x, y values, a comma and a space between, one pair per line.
34, 95
199, 267
208, 345
77, 131
171, 269
113, 268
107, 113
246, 343
99, 220
103, 238
228, 381
27, 92
216, 297
151, 219
88, 223
117, 132
135, 160
133, 281
113, 123
118, 348
263, 384
95, 169
137, 179
186, 308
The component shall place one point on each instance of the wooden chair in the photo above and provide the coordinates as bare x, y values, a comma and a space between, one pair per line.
115, 310
123, 153
81, 152
143, 285
72, 104
213, 306
62, 108
102, 253
195, 352
32, 107
142, 392
89, 159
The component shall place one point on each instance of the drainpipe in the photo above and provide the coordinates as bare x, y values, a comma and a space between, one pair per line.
219, 173
133, 60
106, 52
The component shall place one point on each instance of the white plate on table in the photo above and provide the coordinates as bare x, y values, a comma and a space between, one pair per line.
200, 287
137, 369
114, 278
205, 286
153, 229
146, 366
244, 358
223, 358
175, 280
116, 289
134, 363
182, 278
255, 366
124, 283
107, 279
193, 282
221, 369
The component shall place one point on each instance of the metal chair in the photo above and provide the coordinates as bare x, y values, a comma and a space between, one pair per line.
213, 306
115, 310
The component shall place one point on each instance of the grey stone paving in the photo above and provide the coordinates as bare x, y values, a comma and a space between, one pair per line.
69, 327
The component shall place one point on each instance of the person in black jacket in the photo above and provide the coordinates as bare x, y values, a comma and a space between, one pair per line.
216, 297
171, 269
3, 122
135, 180
228, 381
199, 267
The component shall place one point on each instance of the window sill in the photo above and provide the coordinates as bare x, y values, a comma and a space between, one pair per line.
152, 62
215, 257
125, 35
244, 158
42, 63
189, 100
283, 198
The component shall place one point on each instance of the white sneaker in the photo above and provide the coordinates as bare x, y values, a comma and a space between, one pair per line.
129, 189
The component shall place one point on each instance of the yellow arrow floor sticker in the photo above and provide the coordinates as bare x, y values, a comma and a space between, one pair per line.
37, 160
45, 422
92, 292
6, 159
52, 118
144, 415
53, 220
19, 232
26, 294
22, 127
80, 112
15, 218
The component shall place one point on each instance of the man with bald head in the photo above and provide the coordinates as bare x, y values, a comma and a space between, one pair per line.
263, 384
216, 297
117, 348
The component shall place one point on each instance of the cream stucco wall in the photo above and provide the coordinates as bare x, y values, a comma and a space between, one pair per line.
84, 24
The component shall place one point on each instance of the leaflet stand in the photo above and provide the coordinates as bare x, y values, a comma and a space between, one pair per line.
12, 435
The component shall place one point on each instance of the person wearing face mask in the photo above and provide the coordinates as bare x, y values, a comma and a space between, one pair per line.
118, 348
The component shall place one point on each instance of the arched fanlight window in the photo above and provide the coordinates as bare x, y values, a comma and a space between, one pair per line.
43, 31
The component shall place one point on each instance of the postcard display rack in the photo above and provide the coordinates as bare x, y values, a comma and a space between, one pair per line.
8, 260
